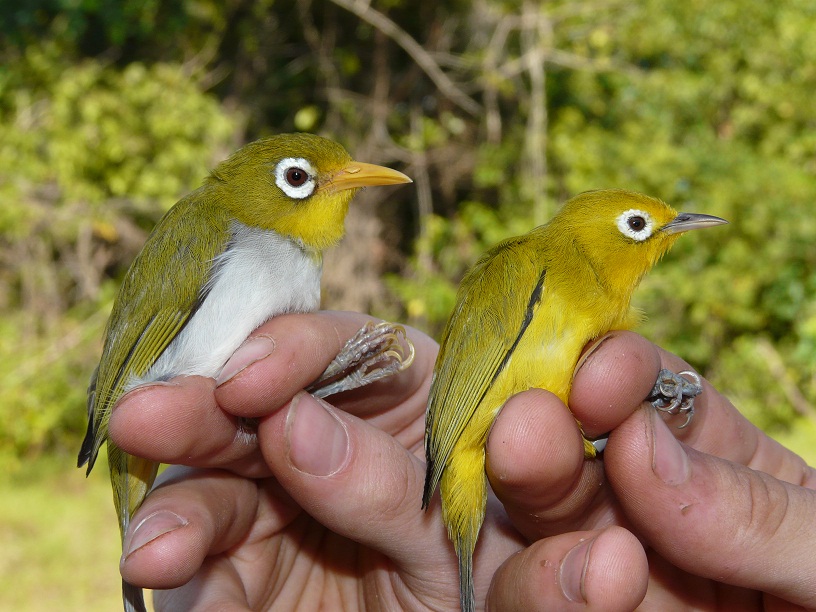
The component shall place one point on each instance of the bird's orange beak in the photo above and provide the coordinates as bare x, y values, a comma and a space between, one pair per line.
359, 174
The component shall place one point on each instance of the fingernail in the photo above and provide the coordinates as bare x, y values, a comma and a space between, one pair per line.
589, 352
318, 440
150, 528
669, 460
144, 388
573, 570
254, 349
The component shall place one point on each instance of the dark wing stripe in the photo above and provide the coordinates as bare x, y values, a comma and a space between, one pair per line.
535, 298
437, 459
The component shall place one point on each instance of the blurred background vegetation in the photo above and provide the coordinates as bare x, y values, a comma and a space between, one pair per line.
110, 110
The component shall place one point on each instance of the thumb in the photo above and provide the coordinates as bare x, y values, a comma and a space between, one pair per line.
357, 481
711, 517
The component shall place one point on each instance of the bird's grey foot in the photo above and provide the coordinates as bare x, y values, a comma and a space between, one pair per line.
599, 443
675, 393
376, 351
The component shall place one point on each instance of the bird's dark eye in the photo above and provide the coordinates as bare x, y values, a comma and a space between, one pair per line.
296, 176
636, 223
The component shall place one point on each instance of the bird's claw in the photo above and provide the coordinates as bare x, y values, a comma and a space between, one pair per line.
376, 351
675, 393
599, 444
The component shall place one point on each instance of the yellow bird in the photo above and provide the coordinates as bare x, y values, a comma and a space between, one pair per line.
524, 313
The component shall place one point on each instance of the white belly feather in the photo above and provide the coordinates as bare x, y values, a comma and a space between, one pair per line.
261, 275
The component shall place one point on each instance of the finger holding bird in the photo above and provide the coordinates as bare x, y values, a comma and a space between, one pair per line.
302, 345
620, 366
623, 363
535, 456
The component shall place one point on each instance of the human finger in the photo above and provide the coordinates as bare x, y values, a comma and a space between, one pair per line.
348, 475
712, 517
191, 515
362, 484
164, 423
591, 570
617, 375
289, 352
613, 377
536, 466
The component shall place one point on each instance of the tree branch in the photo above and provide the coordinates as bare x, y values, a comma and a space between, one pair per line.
422, 58
778, 369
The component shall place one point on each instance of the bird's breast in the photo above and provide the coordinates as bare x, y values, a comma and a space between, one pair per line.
260, 275
546, 356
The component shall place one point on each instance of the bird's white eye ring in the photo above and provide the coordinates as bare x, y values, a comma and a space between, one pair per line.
296, 177
635, 224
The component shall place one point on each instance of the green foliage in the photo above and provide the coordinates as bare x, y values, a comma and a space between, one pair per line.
706, 125
104, 123
90, 156
707, 107
450, 248
44, 388
97, 133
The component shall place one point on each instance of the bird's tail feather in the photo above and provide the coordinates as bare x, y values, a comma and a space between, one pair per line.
133, 598
131, 479
464, 499
467, 595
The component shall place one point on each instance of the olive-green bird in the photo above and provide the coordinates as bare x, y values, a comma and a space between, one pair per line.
242, 248
523, 314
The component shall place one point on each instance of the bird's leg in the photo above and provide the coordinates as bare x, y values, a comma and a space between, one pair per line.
672, 394
376, 351
675, 393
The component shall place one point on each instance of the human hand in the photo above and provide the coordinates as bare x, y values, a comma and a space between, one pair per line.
725, 516
546, 487
320, 510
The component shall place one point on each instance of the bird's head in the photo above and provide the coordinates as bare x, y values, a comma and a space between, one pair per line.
624, 233
299, 185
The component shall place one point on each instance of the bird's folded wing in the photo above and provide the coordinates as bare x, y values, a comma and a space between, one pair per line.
478, 342
155, 302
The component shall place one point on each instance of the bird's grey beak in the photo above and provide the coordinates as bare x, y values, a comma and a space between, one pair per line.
684, 222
